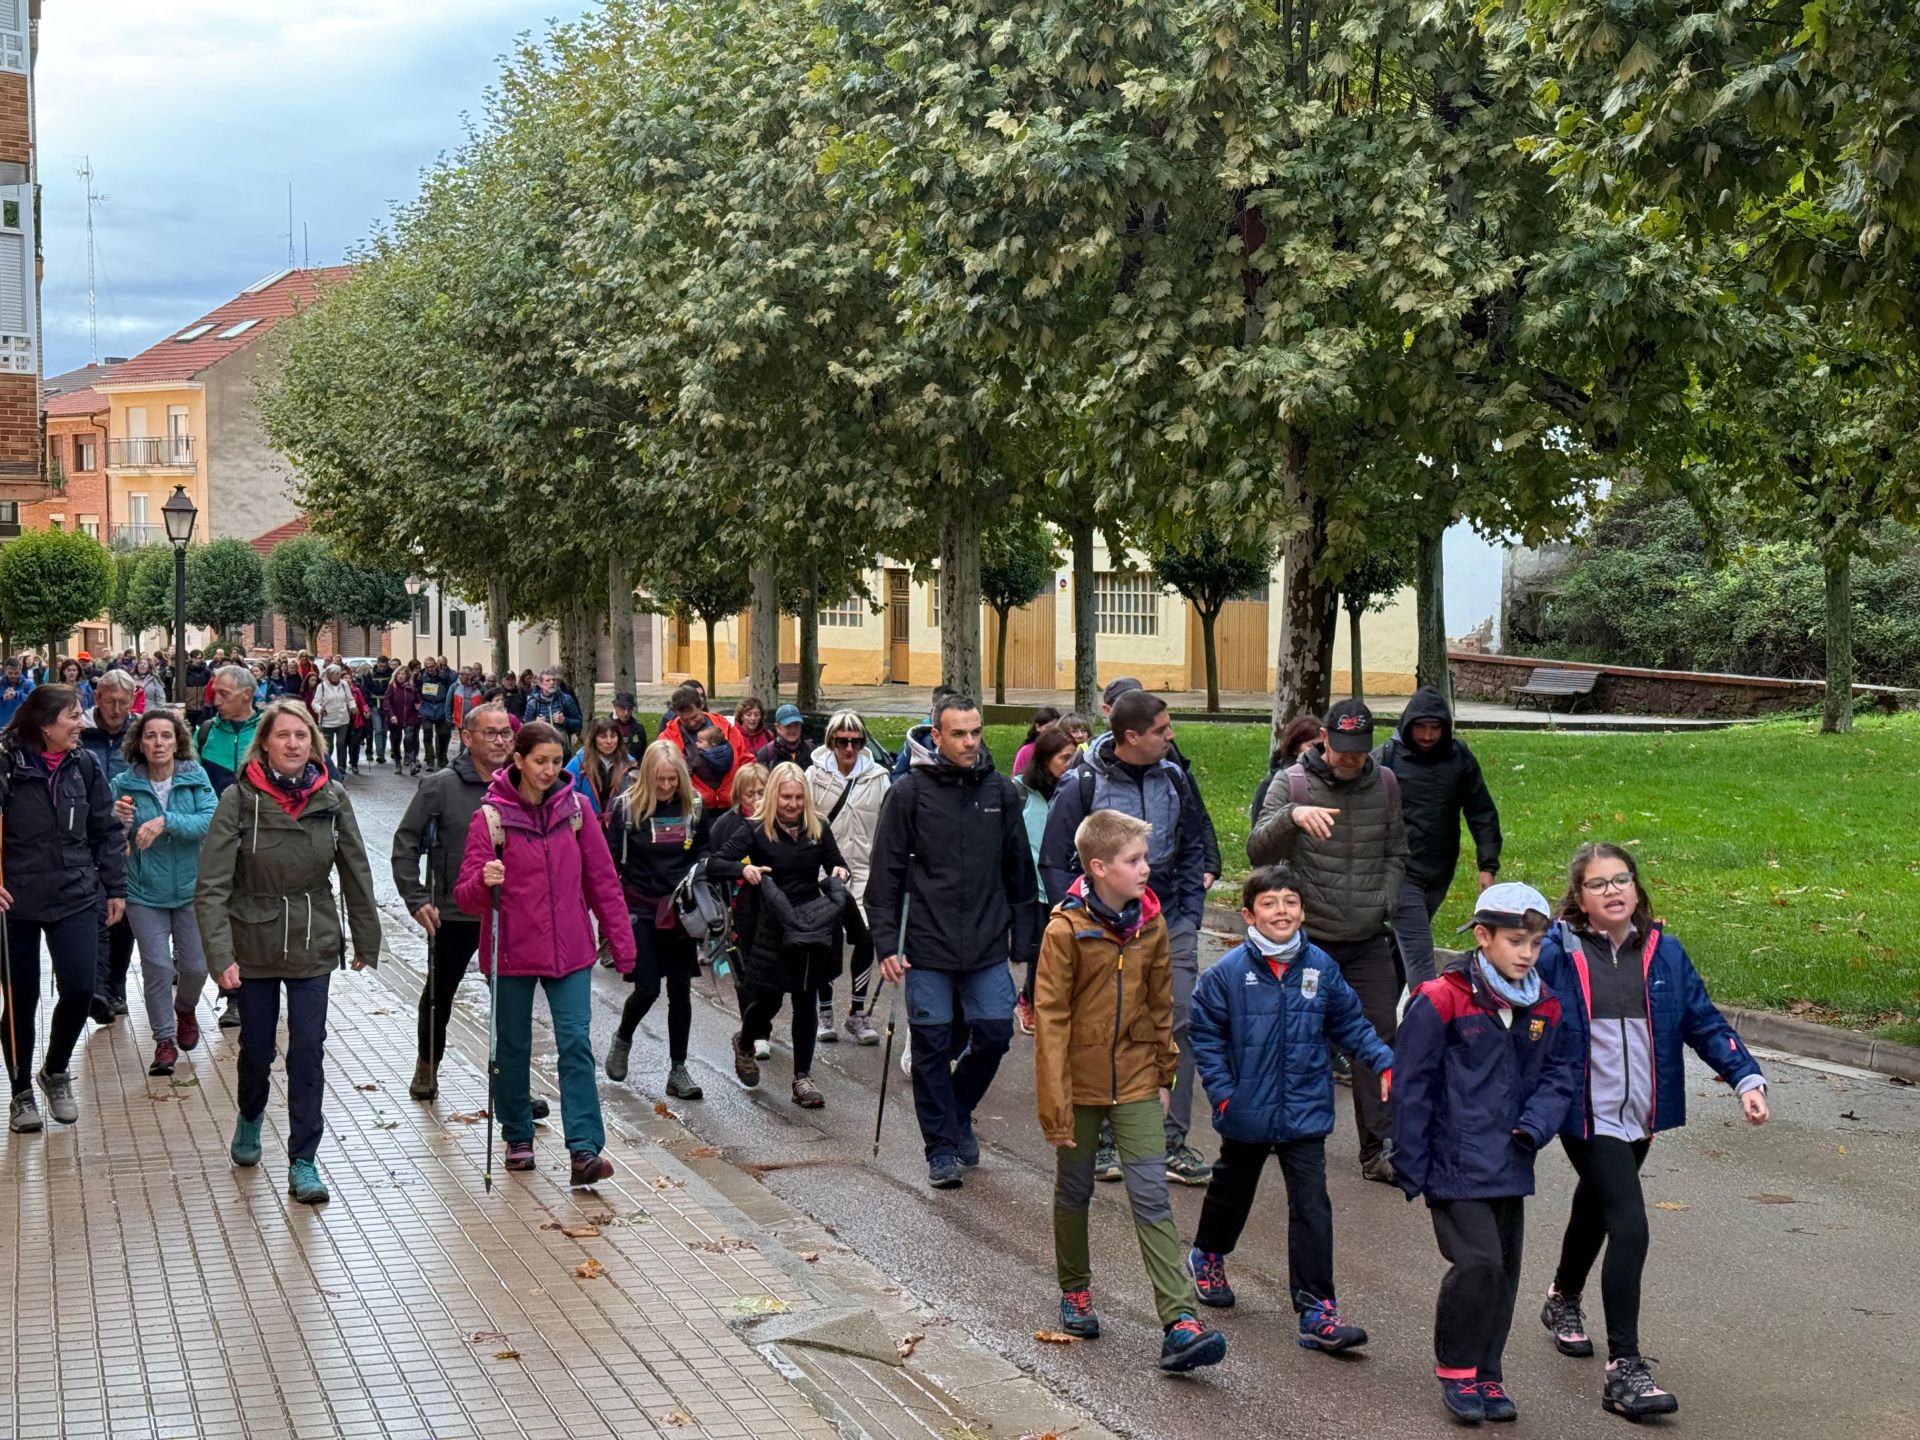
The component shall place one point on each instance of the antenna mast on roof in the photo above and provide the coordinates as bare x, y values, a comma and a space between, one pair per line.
290, 225
86, 173
306, 248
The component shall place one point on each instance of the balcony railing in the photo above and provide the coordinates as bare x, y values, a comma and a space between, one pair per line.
134, 536
151, 452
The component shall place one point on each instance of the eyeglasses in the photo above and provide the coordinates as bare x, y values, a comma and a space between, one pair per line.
847, 742
1601, 884
506, 734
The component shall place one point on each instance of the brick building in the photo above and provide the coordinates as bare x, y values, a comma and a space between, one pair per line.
22, 474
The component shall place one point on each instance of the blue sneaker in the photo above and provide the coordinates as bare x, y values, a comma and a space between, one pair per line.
1189, 1345
1462, 1399
1209, 1271
304, 1183
1495, 1401
245, 1149
1321, 1327
1076, 1314
943, 1173
969, 1155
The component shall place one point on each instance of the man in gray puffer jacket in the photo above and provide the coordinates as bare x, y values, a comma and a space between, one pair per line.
1335, 817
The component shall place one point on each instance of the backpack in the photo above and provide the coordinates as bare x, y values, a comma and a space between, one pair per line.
497, 830
1297, 785
701, 908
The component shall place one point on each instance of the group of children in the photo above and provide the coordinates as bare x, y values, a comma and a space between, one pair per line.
1563, 1022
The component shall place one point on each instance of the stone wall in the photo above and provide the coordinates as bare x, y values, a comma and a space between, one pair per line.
1624, 690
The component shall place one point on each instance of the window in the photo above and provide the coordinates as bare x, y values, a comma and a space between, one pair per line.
1125, 602
9, 512
179, 442
58, 522
90, 526
86, 453
233, 331
136, 422
56, 452
193, 333
932, 582
422, 616
849, 614
263, 627
137, 510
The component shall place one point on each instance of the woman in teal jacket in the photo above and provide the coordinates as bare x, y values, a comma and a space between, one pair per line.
166, 802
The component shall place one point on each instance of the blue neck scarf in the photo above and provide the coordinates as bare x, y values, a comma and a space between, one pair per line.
1517, 994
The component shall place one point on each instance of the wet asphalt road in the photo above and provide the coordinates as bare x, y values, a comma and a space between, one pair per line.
1781, 1288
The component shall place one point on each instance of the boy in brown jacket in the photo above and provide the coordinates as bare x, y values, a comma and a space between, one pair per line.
1104, 1050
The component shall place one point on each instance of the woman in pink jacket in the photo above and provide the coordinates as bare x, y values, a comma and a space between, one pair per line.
537, 847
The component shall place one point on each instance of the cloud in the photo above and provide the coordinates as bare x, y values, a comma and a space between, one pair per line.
196, 118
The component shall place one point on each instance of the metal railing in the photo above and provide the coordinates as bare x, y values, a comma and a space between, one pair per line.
151, 452
136, 535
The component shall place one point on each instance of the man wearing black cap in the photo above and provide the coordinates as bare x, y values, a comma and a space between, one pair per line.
633, 734
1336, 820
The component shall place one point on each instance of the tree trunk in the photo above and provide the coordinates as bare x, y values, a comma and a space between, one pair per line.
499, 620
763, 638
1307, 604
1355, 661
710, 623
1086, 659
1837, 715
620, 619
1000, 658
1207, 618
807, 690
1430, 585
578, 648
960, 601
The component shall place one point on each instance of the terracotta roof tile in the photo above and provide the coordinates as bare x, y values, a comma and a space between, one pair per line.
87, 401
265, 304
292, 530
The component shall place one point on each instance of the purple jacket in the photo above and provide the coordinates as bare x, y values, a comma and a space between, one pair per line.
556, 872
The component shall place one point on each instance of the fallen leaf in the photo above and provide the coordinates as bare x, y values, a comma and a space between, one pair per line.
470, 1117
580, 1232
369, 1085
1772, 1199
662, 1109
1842, 1149
487, 1337
906, 1343
964, 1432
506, 1354
676, 1418
760, 1305
589, 1269
1668, 1205
702, 1152
157, 1096
1800, 1007
1055, 1337
663, 1183
382, 1123
185, 1082
810, 1256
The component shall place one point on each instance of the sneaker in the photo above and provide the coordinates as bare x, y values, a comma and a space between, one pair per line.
806, 1094
230, 1013
425, 1084
1378, 1168
1631, 1392
828, 1032
943, 1173
1106, 1163
1321, 1327
1496, 1403
100, 1010
969, 1152
681, 1084
119, 1003
166, 1055
1189, 1345
589, 1168
746, 1066
305, 1185
414, 769
186, 1029
520, 1155
1561, 1315
1209, 1271
1023, 1015
23, 1116
1462, 1399
763, 1049
860, 1029
1076, 1314
59, 1092
617, 1055
245, 1149
1185, 1166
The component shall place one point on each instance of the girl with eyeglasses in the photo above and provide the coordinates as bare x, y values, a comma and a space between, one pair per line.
1632, 998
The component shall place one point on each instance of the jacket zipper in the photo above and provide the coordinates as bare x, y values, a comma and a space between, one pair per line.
1119, 1000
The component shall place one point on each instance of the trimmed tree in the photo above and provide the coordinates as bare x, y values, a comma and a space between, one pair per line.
226, 585
710, 593
150, 589
1371, 586
1209, 572
366, 598
50, 581
1017, 561
125, 608
289, 583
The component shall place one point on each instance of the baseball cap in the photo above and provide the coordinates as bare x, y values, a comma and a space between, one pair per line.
1505, 906
1349, 727
624, 699
788, 715
1118, 687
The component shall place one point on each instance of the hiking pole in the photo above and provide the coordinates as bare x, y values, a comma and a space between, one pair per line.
893, 1016
493, 1017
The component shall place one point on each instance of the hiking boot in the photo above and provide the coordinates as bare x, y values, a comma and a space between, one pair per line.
1189, 1345
245, 1149
617, 1055
23, 1116
230, 1013
1496, 1403
59, 1092
540, 1108
1561, 1315
1378, 1168
1106, 1163
828, 1033
860, 1029
1186, 1167
681, 1084
1630, 1391
520, 1155
305, 1185
1321, 1327
100, 1010
943, 1173
589, 1168
1462, 1399
186, 1029
1209, 1271
806, 1094
166, 1055
425, 1084
1076, 1314
746, 1069
969, 1153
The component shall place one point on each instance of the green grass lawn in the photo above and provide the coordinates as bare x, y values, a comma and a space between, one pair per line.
1787, 862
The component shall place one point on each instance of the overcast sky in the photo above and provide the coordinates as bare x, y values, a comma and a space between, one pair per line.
196, 117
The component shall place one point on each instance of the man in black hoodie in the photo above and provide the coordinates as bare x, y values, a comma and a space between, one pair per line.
1440, 782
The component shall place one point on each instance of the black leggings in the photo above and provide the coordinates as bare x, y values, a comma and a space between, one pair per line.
860, 972
1609, 1209
756, 1023
664, 957
74, 944
448, 952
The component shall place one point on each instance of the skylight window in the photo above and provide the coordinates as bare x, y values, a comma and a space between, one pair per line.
191, 334
232, 330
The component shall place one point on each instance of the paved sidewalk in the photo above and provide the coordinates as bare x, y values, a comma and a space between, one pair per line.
158, 1291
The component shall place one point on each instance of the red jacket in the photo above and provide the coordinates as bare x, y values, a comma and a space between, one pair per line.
715, 795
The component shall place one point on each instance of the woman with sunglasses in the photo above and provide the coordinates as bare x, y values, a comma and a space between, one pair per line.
1631, 998
849, 787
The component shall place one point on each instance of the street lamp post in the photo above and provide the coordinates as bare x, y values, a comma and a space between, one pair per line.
179, 515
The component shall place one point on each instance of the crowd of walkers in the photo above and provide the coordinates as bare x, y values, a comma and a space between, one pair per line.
1064, 901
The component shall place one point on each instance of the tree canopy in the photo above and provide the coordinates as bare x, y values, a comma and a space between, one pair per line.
50, 581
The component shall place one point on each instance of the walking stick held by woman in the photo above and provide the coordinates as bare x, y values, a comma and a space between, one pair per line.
493, 1013
893, 1017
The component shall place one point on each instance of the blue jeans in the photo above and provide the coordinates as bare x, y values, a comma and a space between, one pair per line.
570, 1004
945, 1093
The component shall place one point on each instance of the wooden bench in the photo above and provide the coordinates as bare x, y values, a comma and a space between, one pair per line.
1548, 685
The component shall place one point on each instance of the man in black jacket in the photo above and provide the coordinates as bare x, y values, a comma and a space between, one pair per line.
1440, 782
951, 854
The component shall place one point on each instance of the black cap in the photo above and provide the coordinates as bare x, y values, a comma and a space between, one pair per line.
1349, 727
1117, 687
624, 700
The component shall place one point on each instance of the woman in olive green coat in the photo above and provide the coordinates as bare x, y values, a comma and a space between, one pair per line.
268, 919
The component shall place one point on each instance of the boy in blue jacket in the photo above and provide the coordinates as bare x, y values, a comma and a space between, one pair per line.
1261, 1020
1485, 1075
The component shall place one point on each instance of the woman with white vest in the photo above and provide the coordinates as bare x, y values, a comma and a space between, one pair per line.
848, 788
